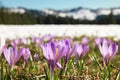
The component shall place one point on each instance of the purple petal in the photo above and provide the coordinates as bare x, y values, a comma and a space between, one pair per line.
47, 37
6, 54
15, 42
26, 55
60, 54
45, 51
36, 56
12, 56
20, 41
106, 41
58, 65
19, 54
98, 41
106, 58
74, 49
79, 50
85, 40
53, 48
63, 47
49, 50
105, 48
113, 48
85, 49
68, 42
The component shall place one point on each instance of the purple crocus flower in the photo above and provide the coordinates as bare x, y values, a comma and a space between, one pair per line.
17, 42
14, 43
48, 37
37, 40
107, 48
12, 55
26, 54
53, 54
33, 39
81, 50
36, 56
20, 41
85, 40
68, 49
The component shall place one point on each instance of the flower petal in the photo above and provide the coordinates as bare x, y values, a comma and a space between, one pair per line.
49, 50
98, 41
26, 55
80, 50
105, 48
45, 52
85, 40
85, 49
6, 54
58, 65
113, 48
60, 54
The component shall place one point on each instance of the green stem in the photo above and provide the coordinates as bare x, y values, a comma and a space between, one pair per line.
11, 70
109, 71
46, 74
98, 63
73, 68
65, 68
78, 65
2, 70
51, 74
118, 74
82, 65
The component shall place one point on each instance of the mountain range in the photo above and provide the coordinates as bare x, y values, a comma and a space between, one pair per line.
76, 13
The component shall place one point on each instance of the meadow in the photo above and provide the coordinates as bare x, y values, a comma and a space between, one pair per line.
50, 57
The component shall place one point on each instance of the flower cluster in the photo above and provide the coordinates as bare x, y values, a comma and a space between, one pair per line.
54, 50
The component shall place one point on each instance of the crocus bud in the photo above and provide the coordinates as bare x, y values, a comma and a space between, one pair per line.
85, 40
36, 56
81, 50
26, 54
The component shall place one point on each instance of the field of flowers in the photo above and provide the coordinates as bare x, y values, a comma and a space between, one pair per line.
60, 58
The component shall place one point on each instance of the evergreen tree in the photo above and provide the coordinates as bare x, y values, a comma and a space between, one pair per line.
112, 18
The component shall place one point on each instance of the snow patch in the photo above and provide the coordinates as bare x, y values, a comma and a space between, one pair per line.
116, 11
18, 31
103, 11
50, 12
16, 10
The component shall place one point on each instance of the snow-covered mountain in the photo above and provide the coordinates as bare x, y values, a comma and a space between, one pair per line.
15, 10
76, 13
82, 13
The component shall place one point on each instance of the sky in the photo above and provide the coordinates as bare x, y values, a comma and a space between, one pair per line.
61, 4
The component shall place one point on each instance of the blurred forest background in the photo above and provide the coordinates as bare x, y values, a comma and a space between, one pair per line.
28, 18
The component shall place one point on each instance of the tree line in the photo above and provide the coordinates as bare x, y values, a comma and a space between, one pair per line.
28, 18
